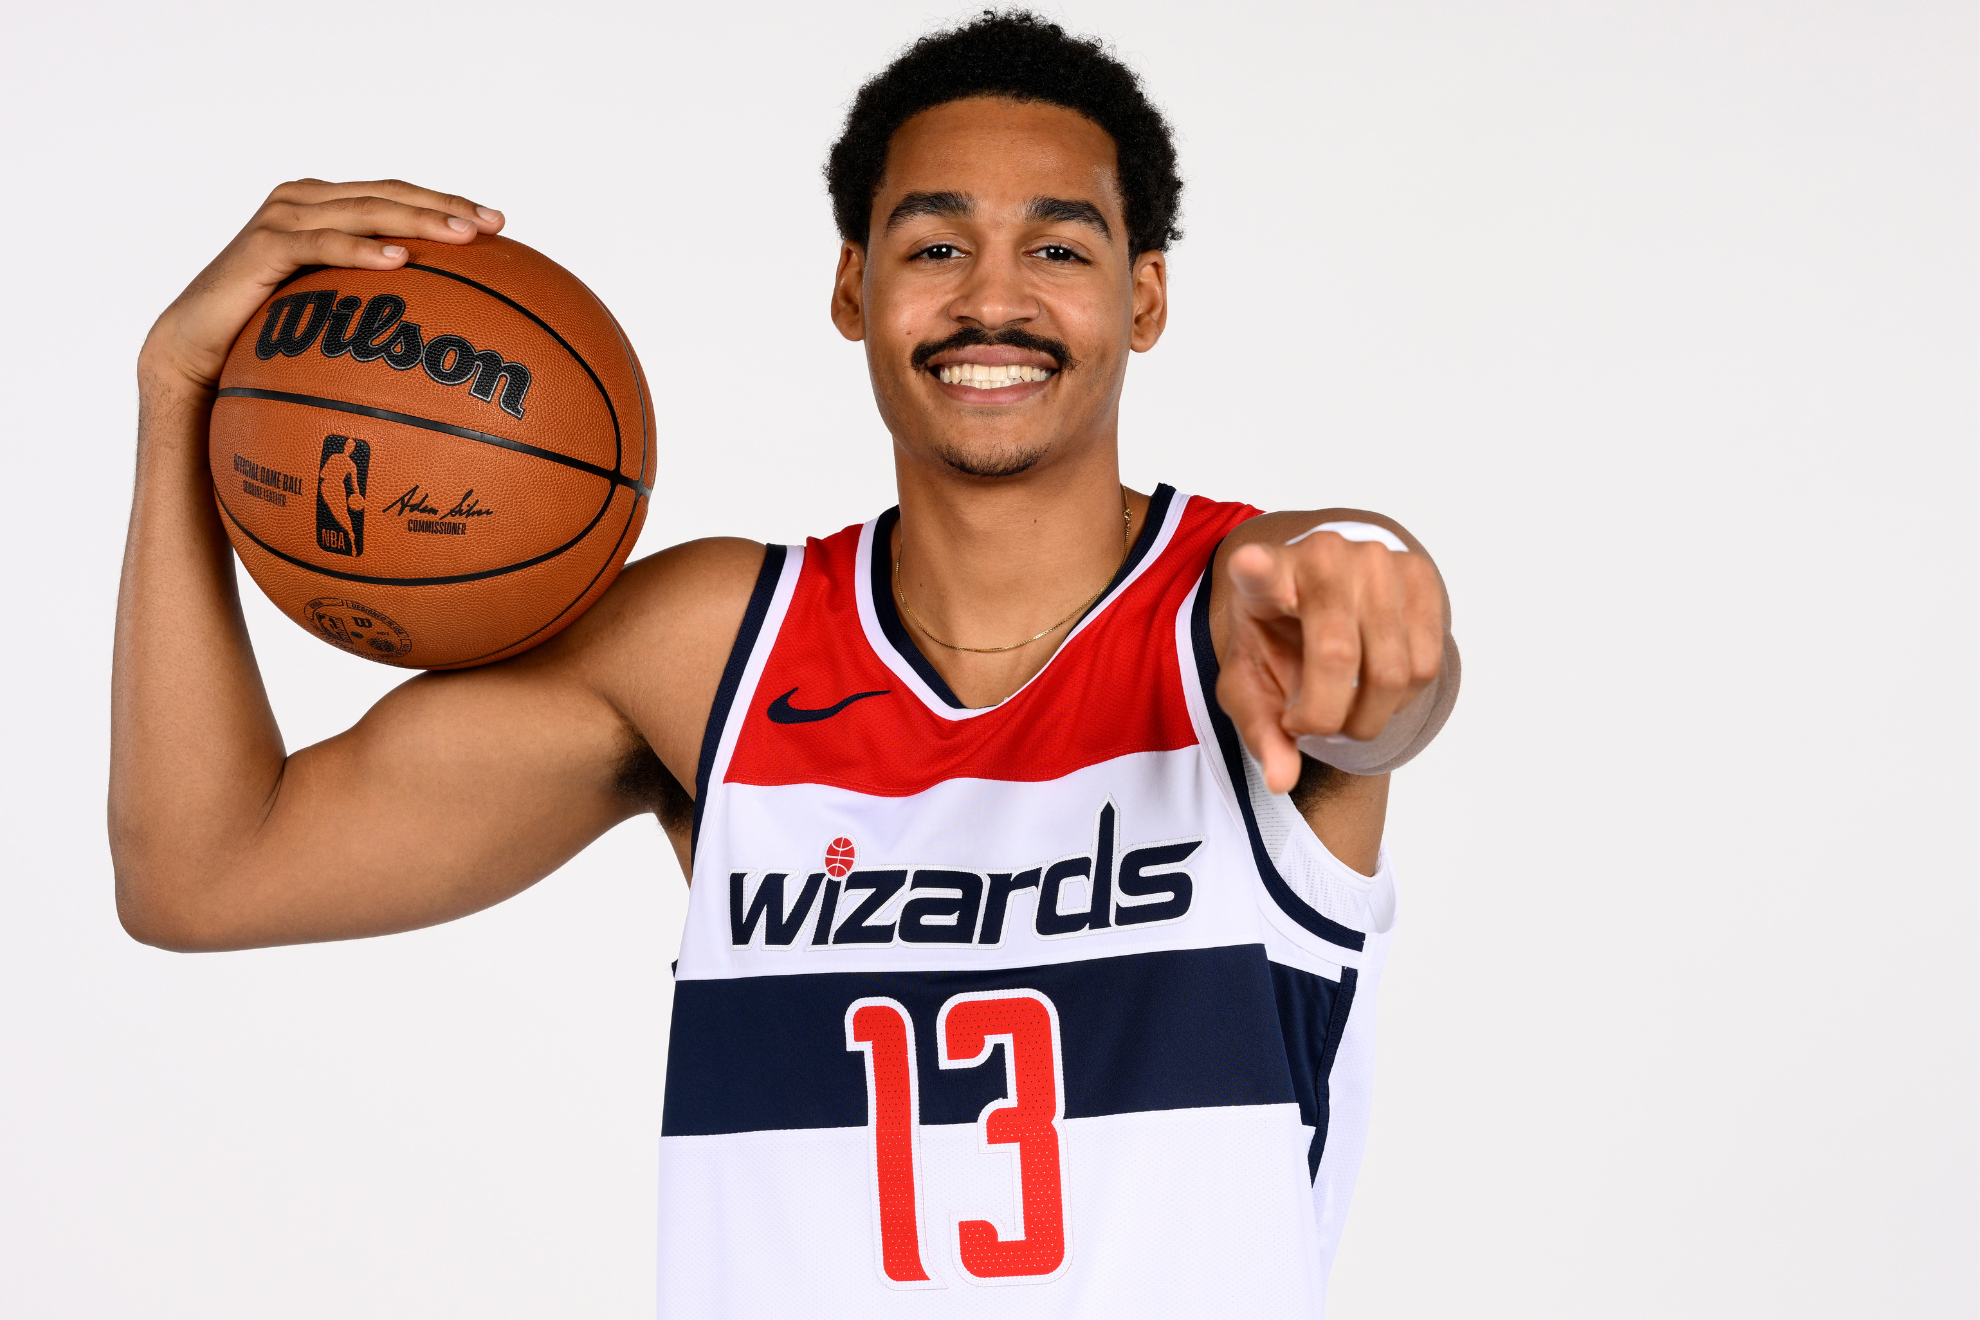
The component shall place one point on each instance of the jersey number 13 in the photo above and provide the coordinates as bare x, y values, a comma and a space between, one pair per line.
969, 1026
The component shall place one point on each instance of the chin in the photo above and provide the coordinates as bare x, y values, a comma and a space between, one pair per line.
991, 460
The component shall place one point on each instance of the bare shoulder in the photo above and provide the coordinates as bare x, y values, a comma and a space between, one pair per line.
692, 587
655, 644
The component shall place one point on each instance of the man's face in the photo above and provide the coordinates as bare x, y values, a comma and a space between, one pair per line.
996, 294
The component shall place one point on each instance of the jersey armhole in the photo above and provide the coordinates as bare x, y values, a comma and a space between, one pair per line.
767, 579
1326, 896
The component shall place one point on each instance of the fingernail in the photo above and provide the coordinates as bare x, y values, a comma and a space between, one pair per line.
458, 225
491, 216
393, 250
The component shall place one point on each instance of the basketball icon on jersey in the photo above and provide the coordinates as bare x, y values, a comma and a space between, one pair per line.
840, 854
343, 475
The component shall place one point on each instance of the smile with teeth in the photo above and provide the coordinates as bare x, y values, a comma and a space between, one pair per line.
979, 376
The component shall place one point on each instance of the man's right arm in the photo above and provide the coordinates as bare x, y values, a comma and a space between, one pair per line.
455, 791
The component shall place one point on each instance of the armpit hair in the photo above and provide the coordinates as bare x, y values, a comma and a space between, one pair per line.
643, 778
1318, 781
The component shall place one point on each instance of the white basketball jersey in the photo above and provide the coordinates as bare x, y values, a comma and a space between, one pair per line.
1045, 1009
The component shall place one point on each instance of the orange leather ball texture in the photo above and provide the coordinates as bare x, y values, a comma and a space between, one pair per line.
437, 466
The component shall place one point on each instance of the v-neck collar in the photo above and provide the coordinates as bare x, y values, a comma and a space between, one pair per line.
880, 614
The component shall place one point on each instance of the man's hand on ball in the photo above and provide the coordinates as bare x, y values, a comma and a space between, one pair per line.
1327, 636
304, 223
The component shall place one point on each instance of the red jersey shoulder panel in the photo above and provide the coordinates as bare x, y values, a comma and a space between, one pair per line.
1113, 689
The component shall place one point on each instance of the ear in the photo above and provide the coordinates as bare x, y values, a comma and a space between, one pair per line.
1151, 300
849, 292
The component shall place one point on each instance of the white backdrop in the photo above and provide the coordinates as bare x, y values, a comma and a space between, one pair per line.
1655, 320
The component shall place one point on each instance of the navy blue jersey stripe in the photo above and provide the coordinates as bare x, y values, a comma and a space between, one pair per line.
1227, 740
1158, 513
1312, 1014
1178, 1029
882, 578
1336, 1026
732, 672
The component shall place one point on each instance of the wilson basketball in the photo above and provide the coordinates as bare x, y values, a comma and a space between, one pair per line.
436, 466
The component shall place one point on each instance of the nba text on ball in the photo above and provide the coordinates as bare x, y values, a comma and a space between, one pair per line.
380, 332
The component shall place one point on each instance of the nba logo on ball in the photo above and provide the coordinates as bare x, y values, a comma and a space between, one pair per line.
342, 477
839, 857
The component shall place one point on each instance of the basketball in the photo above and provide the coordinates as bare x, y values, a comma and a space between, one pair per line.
839, 857
436, 466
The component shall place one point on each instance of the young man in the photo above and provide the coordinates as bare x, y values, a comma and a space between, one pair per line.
1013, 981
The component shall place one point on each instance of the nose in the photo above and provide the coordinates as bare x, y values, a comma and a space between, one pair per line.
995, 293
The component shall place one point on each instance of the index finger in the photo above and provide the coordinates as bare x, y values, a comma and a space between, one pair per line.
1263, 579
308, 192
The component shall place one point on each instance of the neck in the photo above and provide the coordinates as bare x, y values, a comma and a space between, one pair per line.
985, 562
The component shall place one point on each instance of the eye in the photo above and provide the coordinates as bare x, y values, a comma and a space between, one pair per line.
937, 252
1059, 252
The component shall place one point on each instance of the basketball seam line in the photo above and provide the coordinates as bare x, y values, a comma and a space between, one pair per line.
446, 581
446, 428
618, 433
615, 561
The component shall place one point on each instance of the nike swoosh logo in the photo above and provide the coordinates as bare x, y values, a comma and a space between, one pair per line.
781, 710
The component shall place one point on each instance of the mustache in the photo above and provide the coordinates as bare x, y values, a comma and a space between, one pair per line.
974, 337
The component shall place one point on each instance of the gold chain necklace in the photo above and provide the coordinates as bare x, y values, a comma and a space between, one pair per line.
1127, 525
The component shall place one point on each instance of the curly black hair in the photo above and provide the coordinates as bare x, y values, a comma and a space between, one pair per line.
1020, 55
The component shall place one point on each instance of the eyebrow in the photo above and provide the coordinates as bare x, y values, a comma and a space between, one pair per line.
1068, 212
951, 205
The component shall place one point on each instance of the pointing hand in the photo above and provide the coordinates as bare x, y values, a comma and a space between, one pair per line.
1328, 636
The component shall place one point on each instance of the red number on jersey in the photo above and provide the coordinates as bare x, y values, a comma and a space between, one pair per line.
1028, 1025
884, 1032
969, 1026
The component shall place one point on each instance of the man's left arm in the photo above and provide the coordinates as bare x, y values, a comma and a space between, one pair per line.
1333, 644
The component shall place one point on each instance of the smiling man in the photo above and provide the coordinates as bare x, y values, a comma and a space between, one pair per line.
1034, 826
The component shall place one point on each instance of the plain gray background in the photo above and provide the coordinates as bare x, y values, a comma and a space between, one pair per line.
1656, 321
